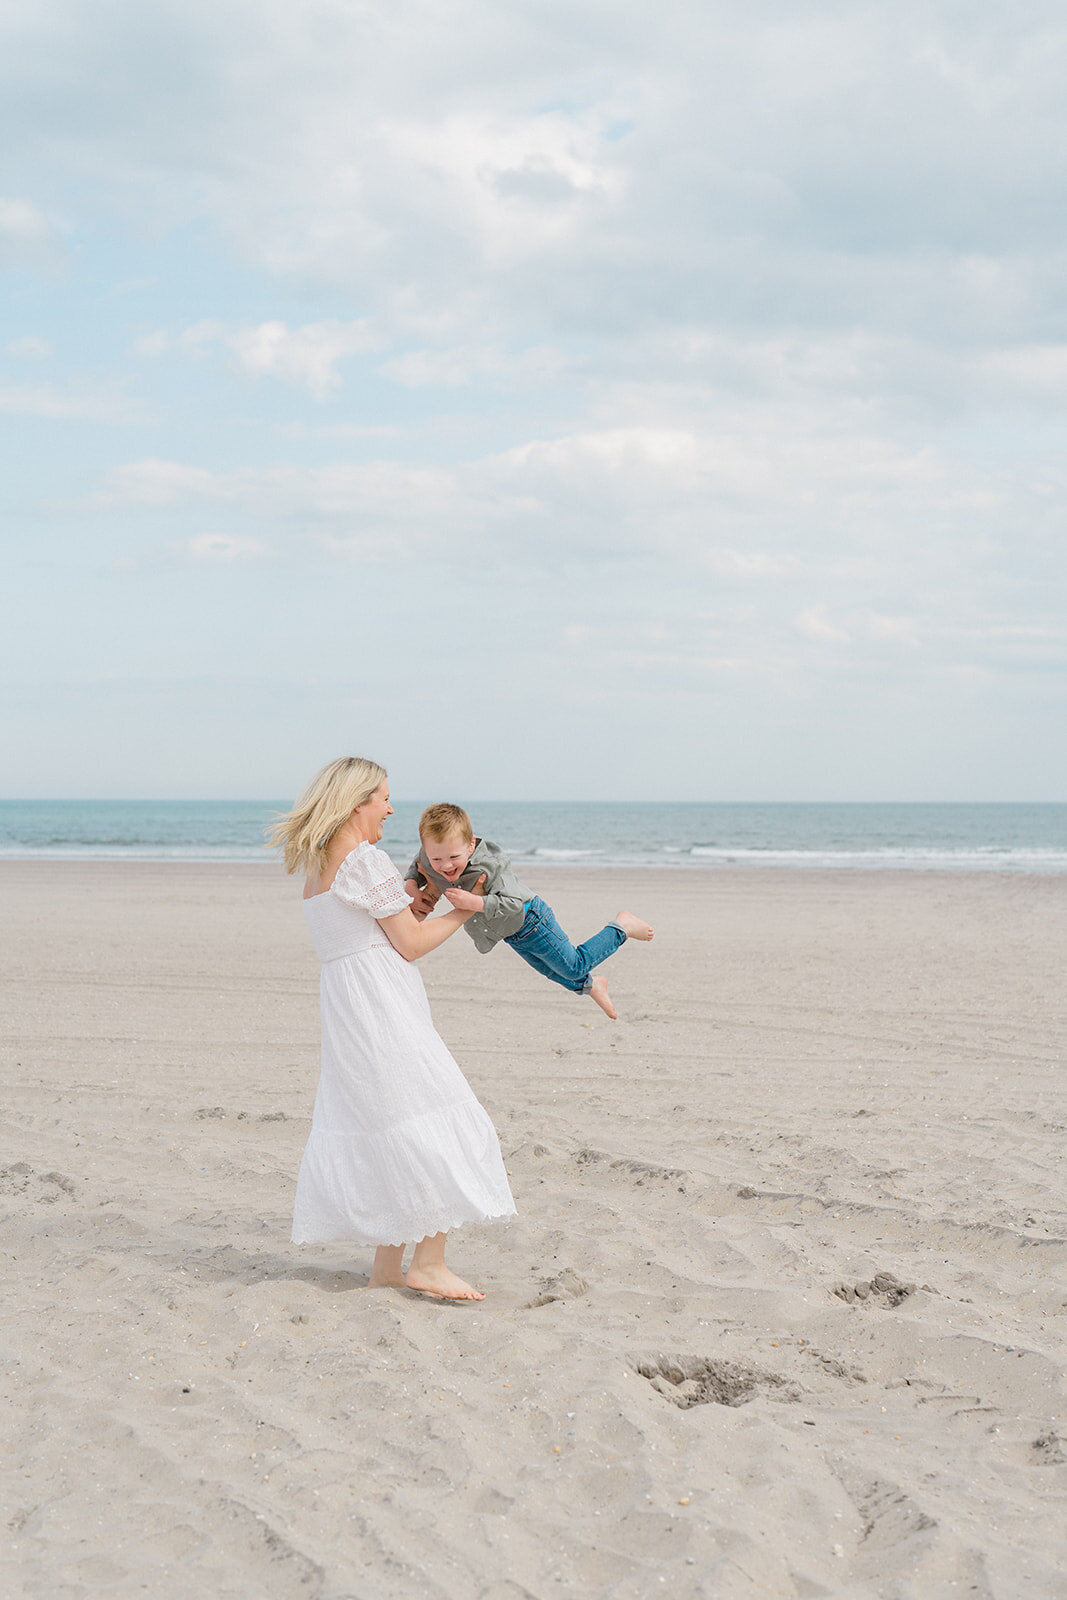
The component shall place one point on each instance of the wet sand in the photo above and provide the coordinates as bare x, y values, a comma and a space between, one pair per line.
784, 1312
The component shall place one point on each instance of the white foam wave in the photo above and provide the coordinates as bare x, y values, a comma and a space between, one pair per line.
543, 852
122, 852
982, 859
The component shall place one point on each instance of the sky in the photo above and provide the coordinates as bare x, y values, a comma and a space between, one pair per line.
549, 401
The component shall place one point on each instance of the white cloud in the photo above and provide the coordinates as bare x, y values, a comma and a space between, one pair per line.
896, 630
741, 509
306, 355
670, 162
340, 430
745, 565
375, 511
29, 348
1040, 369
524, 496
28, 237
224, 548
676, 174
76, 400
193, 340
455, 368
521, 186
613, 450
157, 483
751, 384
814, 623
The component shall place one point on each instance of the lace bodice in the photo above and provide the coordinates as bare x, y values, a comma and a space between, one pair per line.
342, 919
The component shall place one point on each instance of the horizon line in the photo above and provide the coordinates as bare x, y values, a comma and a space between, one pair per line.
482, 800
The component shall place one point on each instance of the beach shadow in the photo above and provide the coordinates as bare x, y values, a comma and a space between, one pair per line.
229, 1264
237, 1268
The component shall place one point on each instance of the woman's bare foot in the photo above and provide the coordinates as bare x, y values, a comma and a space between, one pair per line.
428, 1274
440, 1282
388, 1269
633, 926
598, 991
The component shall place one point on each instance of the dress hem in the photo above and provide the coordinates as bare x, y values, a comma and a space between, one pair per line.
418, 1230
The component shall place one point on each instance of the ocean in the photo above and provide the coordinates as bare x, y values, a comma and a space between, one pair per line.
945, 837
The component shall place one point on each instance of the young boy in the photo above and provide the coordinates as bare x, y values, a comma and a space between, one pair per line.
453, 862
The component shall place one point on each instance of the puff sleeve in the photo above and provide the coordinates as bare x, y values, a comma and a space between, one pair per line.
368, 881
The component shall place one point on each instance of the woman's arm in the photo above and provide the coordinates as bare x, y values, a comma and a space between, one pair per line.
412, 938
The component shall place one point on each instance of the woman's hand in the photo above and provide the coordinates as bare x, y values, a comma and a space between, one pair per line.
465, 899
422, 900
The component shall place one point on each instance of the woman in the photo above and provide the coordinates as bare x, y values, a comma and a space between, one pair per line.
400, 1148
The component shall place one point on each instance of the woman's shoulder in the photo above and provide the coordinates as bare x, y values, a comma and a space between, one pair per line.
368, 880
360, 850
365, 864
365, 860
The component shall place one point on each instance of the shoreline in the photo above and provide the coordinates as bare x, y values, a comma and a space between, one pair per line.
565, 869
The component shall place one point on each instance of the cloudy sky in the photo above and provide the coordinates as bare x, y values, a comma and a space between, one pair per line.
551, 399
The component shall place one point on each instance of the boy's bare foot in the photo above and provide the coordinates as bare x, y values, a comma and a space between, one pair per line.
634, 927
598, 991
440, 1282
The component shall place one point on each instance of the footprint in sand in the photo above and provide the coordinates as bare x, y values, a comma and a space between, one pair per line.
219, 1114
564, 1285
44, 1187
834, 1367
883, 1289
701, 1380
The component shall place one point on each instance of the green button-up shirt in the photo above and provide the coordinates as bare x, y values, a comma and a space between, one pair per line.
505, 896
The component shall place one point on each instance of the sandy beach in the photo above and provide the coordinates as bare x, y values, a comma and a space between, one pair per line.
783, 1313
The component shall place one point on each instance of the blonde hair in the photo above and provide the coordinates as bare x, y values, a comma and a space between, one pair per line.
303, 833
441, 821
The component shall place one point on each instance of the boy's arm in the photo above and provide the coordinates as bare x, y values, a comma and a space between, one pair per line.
495, 905
465, 900
505, 896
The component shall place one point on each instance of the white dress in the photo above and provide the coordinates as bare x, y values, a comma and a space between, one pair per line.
399, 1147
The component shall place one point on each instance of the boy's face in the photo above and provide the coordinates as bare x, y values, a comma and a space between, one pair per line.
448, 857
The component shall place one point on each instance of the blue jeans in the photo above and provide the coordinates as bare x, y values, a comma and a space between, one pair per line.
542, 943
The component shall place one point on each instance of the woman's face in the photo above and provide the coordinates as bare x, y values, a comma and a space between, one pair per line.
373, 812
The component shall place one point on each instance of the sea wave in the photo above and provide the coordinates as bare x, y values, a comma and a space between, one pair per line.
79, 851
550, 853
557, 836
973, 859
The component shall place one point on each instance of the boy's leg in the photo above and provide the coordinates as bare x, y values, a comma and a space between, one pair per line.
542, 942
539, 966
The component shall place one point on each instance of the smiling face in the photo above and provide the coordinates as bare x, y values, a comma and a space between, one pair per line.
448, 857
368, 817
